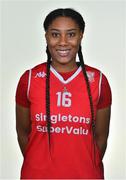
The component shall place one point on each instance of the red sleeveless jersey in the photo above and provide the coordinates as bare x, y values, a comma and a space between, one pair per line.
71, 154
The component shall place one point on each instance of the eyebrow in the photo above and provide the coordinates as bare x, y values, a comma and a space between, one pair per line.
53, 29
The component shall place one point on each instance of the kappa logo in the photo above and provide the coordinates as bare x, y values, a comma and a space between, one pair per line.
91, 76
40, 74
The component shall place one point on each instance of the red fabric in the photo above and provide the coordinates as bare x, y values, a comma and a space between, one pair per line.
66, 75
71, 154
105, 95
105, 99
21, 93
71, 151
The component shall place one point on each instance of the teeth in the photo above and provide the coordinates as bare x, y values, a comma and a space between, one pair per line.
63, 51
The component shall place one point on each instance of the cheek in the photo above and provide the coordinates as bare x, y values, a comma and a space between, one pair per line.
75, 42
75, 45
51, 42
51, 46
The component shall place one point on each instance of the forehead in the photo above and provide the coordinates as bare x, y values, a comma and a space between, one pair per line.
64, 23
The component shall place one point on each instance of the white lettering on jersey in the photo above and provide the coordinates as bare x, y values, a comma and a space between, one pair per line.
55, 118
40, 74
64, 99
66, 129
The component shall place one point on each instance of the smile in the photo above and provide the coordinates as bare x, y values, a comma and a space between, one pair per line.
63, 52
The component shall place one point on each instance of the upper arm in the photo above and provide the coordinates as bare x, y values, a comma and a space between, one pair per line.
102, 122
23, 123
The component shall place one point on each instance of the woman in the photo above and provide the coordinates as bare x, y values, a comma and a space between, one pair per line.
63, 107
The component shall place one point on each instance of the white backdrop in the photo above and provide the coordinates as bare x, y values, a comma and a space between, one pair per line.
23, 46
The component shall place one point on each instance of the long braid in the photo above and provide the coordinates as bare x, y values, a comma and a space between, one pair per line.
48, 93
90, 97
88, 88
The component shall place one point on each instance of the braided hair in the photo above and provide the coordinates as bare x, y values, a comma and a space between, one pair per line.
67, 12
48, 92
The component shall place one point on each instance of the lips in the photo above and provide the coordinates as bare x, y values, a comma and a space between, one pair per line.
63, 52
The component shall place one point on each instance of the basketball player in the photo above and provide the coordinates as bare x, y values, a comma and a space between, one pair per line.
63, 107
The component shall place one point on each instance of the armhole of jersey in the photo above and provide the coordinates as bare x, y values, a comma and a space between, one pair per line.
100, 81
29, 82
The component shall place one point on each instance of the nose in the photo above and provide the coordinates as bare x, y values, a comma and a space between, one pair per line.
63, 40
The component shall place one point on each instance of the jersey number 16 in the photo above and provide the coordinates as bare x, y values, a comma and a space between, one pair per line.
64, 99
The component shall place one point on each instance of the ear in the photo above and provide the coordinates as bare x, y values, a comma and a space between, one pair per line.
81, 35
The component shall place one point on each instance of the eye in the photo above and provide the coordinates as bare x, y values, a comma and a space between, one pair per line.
55, 34
71, 34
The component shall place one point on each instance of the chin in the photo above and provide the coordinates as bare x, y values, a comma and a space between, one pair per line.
64, 61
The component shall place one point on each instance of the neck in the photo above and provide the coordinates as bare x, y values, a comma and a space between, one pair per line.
64, 67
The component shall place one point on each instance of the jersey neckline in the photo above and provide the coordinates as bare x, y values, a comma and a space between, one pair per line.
57, 74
